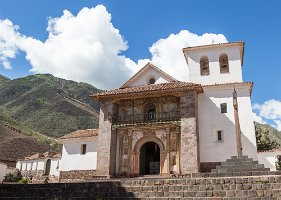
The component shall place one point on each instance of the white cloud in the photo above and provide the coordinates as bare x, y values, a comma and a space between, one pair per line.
87, 47
258, 119
8, 42
167, 53
270, 110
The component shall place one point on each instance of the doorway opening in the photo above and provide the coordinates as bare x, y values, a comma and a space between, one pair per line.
48, 167
150, 159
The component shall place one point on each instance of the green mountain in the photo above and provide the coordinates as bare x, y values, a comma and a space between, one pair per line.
268, 134
3, 79
48, 105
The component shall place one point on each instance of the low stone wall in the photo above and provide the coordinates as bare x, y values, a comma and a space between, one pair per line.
32, 173
234, 188
77, 174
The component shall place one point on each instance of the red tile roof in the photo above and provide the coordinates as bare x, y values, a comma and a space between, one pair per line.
81, 134
272, 150
48, 154
148, 89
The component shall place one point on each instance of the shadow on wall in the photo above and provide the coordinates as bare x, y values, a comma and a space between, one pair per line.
269, 158
95, 190
211, 120
73, 148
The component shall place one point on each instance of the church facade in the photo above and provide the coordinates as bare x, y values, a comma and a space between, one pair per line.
155, 124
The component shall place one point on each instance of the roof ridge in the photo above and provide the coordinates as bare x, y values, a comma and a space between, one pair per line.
143, 68
215, 44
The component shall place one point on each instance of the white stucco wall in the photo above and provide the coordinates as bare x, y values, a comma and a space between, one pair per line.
269, 158
73, 160
23, 165
39, 165
147, 75
211, 120
55, 167
3, 171
235, 71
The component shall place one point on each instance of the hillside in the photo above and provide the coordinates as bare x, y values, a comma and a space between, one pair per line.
48, 105
15, 144
273, 134
3, 79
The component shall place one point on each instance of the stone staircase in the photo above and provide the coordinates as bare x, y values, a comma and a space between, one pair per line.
238, 165
242, 166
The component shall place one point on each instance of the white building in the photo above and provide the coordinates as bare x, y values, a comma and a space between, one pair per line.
270, 158
40, 164
79, 150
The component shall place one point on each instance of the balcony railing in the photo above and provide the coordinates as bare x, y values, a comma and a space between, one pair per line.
146, 117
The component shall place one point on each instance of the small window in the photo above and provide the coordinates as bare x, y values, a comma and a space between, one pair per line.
219, 136
204, 66
151, 114
223, 108
83, 149
224, 65
152, 81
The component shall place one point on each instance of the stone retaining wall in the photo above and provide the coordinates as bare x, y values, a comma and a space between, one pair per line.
32, 173
77, 174
234, 188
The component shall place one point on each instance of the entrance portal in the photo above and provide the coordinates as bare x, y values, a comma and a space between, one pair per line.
48, 167
149, 159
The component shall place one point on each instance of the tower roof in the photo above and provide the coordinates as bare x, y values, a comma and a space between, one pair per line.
239, 44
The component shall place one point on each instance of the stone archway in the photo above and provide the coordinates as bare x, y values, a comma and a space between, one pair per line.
149, 159
137, 151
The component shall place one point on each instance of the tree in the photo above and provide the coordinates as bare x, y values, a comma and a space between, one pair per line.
263, 140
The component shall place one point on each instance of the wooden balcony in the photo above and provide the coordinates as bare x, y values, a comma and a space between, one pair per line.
146, 118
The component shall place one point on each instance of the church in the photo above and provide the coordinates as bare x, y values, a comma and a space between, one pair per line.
155, 124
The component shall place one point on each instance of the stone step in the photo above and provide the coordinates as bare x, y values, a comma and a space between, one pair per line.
240, 166
241, 158
226, 170
230, 163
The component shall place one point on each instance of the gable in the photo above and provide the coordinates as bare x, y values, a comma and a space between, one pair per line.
147, 73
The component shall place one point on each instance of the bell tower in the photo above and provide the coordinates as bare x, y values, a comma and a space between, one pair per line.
215, 63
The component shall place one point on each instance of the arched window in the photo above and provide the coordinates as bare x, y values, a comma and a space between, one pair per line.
224, 66
151, 81
204, 66
150, 112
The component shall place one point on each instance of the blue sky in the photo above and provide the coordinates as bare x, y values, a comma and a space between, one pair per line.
143, 23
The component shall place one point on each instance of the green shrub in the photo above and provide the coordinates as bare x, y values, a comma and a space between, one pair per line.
24, 180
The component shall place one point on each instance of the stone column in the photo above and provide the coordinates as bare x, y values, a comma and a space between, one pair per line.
189, 147
130, 159
168, 150
106, 141
237, 125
